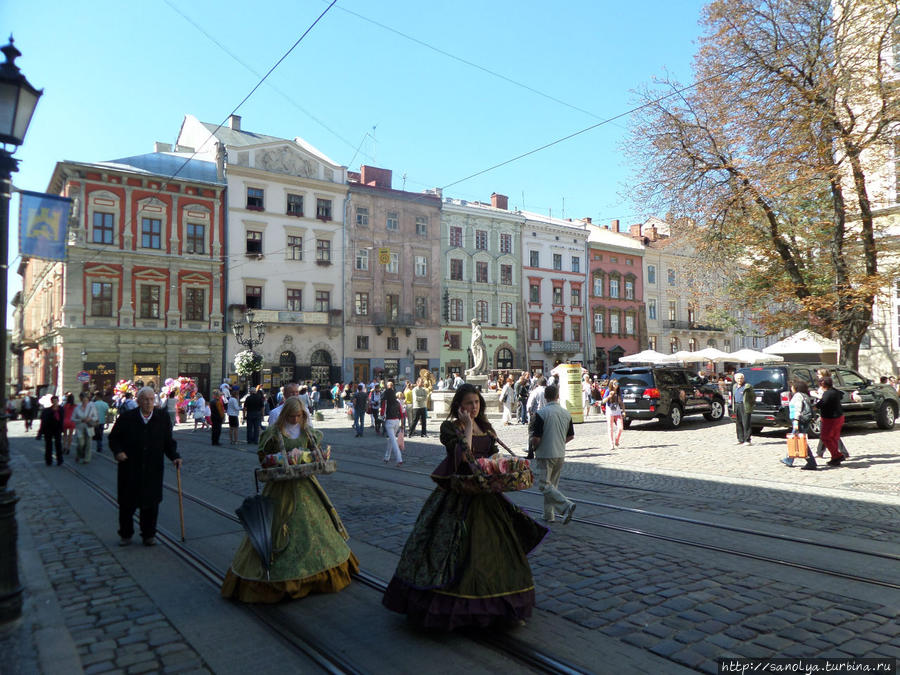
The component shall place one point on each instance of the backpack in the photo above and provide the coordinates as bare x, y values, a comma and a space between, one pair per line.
806, 413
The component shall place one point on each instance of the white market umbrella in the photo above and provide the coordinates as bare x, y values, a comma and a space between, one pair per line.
804, 342
751, 356
646, 356
713, 354
688, 357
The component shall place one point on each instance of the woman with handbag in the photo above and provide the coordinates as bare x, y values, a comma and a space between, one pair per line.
392, 413
800, 412
465, 562
309, 542
615, 413
84, 417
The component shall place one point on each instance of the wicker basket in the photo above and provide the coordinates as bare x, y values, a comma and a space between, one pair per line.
480, 483
295, 471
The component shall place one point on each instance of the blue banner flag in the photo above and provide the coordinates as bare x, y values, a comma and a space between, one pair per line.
43, 224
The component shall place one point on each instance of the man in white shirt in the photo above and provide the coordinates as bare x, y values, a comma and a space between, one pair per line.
292, 389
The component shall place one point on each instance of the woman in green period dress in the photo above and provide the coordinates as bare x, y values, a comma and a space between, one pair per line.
465, 562
310, 552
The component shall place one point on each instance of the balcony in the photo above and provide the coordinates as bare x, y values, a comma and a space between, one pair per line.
555, 347
283, 316
690, 325
392, 319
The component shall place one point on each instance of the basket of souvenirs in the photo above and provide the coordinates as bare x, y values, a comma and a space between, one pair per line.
499, 473
294, 464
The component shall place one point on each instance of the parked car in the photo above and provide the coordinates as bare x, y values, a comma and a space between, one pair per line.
666, 393
863, 401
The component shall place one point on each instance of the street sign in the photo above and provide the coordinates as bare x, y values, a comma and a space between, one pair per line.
83, 376
384, 255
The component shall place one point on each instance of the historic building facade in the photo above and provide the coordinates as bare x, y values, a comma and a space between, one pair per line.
481, 277
139, 296
554, 275
393, 273
615, 295
285, 247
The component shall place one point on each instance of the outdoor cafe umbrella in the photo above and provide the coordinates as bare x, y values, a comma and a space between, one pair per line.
750, 356
646, 356
256, 517
714, 355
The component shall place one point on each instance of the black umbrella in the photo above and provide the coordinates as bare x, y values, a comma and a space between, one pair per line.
256, 517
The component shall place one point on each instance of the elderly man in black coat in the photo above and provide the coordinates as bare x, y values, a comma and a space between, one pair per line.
138, 441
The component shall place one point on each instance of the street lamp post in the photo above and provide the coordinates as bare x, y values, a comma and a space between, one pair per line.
256, 331
17, 102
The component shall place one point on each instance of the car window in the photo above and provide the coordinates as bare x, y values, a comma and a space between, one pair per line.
850, 379
634, 379
669, 378
803, 374
765, 378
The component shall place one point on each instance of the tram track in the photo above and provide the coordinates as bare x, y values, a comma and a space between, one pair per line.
301, 641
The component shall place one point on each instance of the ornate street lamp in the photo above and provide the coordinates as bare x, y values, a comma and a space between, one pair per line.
17, 102
254, 327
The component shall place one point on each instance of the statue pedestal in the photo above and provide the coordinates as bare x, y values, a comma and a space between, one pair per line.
478, 381
440, 402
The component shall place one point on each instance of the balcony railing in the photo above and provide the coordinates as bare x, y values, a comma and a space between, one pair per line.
555, 347
690, 325
392, 319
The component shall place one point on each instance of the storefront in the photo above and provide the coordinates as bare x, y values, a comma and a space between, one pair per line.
147, 374
103, 375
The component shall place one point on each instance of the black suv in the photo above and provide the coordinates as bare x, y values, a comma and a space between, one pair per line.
772, 385
667, 394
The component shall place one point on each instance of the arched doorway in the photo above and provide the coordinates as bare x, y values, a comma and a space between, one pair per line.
504, 359
287, 363
320, 366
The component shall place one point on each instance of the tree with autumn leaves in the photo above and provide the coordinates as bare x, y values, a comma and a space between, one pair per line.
776, 156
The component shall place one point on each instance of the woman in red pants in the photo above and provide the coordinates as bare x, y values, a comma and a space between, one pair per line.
831, 415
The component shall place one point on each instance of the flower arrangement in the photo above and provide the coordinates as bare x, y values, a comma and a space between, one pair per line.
247, 362
494, 474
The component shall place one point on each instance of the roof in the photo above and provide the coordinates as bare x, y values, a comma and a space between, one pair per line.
550, 220
166, 164
603, 237
232, 138
481, 206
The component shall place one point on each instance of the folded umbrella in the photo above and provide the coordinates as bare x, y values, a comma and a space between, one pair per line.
256, 516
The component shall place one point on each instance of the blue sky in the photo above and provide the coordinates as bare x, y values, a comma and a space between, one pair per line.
118, 76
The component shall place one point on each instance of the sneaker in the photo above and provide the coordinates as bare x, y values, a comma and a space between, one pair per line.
740, 443
149, 541
809, 467
567, 514
787, 461
747, 443
125, 541
835, 462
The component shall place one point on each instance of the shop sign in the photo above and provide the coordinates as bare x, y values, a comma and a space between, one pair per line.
146, 370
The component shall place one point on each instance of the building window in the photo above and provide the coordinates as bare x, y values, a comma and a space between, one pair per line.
598, 287
393, 344
149, 302
598, 322
614, 288
362, 216
534, 293
455, 236
295, 248
671, 277
392, 306
295, 205
195, 239
726, 345
673, 310
103, 228
421, 344
422, 226
421, 266
323, 209
576, 263
421, 307
614, 322
362, 304
323, 301
673, 345
295, 299
481, 311
455, 341
534, 258
576, 331
652, 342
456, 269
194, 304
651, 274
629, 324
506, 313
690, 316
101, 298
506, 275
255, 199
534, 329
393, 220
393, 266
629, 262
254, 242
558, 327
481, 272
629, 290
576, 297
505, 243
557, 261
323, 250
557, 295
651, 309
253, 297
151, 229
362, 260
692, 344
456, 309
613, 259
362, 341
481, 240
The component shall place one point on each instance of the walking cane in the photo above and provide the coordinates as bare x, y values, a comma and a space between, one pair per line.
180, 501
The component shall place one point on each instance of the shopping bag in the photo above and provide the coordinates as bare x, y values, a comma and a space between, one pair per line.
797, 446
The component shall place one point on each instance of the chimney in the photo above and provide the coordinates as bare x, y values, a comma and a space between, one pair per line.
375, 177
499, 201
635, 230
234, 122
162, 147
614, 225
586, 221
652, 234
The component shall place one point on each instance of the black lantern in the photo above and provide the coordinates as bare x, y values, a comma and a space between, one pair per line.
18, 98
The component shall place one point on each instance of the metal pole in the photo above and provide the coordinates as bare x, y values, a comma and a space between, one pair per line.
10, 588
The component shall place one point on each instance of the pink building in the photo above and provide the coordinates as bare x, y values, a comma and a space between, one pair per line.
615, 295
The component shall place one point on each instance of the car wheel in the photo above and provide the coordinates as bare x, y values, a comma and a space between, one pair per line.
815, 426
716, 410
673, 420
886, 416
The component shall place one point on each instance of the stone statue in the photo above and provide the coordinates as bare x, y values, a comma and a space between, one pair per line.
479, 356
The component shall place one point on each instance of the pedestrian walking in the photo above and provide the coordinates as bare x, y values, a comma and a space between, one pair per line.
254, 405
233, 410
743, 399
139, 440
51, 424
419, 408
216, 416
84, 417
314, 398
393, 414
360, 404
291, 390
551, 428
507, 400
68, 425
375, 407
522, 390
29, 409
817, 394
102, 409
615, 413
831, 418
800, 413
199, 407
